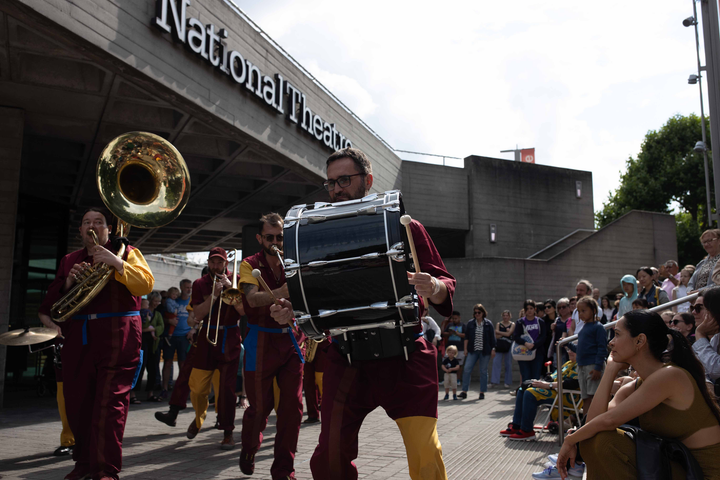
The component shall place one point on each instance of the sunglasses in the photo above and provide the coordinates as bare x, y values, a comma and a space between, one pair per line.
476, 312
548, 306
697, 308
269, 237
675, 322
343, 181
563, 306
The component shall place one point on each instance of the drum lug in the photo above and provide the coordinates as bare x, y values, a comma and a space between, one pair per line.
301, 317
289, 224
393, 209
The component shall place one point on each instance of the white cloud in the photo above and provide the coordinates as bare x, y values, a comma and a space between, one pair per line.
580, 82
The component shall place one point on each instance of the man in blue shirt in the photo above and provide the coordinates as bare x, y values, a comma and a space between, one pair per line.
180, 338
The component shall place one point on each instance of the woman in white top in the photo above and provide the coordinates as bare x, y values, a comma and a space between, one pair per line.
607, 309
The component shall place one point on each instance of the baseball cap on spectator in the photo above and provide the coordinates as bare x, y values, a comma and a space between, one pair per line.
218, 252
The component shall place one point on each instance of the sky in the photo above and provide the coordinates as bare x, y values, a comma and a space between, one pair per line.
581, 82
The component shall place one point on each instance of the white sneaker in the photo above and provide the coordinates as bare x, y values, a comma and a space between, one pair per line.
552, 472
553, 458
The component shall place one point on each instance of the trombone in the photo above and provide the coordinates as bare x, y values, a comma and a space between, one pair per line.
231, 296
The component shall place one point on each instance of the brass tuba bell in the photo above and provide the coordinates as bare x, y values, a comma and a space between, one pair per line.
144, 182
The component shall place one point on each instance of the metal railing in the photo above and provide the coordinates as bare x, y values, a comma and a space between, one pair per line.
607, 326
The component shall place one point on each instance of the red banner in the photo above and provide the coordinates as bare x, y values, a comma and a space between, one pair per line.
527, 155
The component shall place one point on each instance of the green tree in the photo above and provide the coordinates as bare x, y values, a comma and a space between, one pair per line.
666, 174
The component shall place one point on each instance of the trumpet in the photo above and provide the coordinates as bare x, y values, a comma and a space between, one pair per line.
232, 296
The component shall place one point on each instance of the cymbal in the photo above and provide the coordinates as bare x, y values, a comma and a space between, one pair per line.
28, 336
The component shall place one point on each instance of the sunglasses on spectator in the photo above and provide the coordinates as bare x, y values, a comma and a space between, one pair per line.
548, 306
343, 181
675, 321
563, 306
476, 312
269, 237
697, 308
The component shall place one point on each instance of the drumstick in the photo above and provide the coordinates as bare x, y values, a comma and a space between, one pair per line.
405, 220
257, 274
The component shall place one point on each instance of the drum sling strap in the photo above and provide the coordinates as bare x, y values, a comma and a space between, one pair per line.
376, 343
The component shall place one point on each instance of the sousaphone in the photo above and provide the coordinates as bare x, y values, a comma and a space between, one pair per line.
144, 181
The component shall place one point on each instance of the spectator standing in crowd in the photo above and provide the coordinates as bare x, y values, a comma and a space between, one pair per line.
707, 340
606, 310
535, 327
503, 334
178, 340
540, 393
152, 327
667, 316
682, 291
479, 347
539, 309
648, 290
431, 331
454, 334
670, 399
549, 318
583, 289
591, 350
670, 272
560, 329
573, 302
705, 274
685, 324
450, 366
596, 295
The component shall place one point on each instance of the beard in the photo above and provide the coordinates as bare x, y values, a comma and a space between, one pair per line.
345, 194
268, 250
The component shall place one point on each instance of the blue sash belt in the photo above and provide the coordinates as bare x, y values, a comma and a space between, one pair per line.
93, 316
280, 330
224, 328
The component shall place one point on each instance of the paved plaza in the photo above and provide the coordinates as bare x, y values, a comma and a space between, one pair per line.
468, 432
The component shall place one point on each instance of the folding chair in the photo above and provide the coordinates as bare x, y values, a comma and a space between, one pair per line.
575, 398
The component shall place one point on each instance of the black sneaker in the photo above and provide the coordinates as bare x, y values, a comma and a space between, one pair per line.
462, 395
482, 396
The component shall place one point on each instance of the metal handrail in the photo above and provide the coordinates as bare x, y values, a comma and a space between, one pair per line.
607, 326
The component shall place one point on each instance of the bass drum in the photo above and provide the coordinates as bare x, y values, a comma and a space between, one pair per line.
346, 265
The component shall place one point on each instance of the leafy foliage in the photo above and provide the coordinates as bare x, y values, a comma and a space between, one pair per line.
666, 174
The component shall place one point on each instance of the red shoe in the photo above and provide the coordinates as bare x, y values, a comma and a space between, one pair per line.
511, 430
192, 430
247, 462
78, 473
523, 436
228, 442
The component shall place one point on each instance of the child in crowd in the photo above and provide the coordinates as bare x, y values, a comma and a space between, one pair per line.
591, 350
144, 309
172, 308
667, 317
450, 366
681, 291
629, 286
639, 304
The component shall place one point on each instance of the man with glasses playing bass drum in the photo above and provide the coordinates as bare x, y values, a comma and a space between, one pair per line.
406, 389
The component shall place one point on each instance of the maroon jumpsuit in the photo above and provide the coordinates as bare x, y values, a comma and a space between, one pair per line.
99, 359
270, 354
225, 356
407, 390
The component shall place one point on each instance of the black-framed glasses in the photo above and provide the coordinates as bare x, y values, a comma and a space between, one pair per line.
269, 237
676, 321
697, 308
343, 181
563, 306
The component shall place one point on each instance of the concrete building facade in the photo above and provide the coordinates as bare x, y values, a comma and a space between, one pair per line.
255, 129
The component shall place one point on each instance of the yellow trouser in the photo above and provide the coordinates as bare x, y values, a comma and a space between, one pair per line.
67, 439
422, 445
199, 382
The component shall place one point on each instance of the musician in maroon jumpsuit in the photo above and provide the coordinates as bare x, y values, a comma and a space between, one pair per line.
271, 352
406, 389
223, 356
312, 380
101, 351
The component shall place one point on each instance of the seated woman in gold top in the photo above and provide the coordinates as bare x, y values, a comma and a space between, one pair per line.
672, 401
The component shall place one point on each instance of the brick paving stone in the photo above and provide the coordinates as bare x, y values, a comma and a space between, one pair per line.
468, 431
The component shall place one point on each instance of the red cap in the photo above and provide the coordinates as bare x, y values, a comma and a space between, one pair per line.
218, 252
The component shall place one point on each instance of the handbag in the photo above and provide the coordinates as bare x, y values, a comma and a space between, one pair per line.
520, 352
654, 454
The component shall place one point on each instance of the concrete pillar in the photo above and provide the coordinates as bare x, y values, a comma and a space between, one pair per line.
11, 138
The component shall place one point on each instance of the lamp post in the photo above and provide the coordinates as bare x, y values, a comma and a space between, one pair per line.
700, 146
